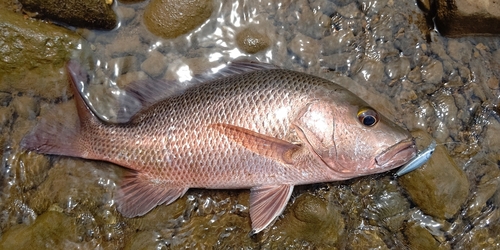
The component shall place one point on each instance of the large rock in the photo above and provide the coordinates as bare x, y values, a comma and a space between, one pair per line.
32, 55
169, 18
467, 17
51, 230
440, 187
92, 14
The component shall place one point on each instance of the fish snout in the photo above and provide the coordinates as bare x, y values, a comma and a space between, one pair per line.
397, 155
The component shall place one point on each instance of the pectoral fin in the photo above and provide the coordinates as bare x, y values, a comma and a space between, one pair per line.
266, 203
138, 195
261, 144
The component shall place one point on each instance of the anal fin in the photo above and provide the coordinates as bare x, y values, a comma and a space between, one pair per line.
264, 145
138, 195
267, 203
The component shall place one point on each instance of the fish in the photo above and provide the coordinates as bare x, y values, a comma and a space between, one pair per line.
420, 159
251, 126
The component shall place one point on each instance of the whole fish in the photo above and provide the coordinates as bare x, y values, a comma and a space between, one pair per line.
255, 126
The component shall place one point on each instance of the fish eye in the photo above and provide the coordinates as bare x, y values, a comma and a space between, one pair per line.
368, 116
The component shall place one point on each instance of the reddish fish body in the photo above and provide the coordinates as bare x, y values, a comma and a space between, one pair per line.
267, 129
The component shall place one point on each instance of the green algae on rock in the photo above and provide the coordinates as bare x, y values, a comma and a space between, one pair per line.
91, 14
170, 18
440, 187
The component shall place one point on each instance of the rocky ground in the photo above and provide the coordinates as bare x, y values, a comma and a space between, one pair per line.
384, 51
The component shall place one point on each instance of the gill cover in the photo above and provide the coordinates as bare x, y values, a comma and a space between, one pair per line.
316, 126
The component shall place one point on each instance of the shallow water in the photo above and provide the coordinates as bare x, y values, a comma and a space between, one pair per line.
381, 50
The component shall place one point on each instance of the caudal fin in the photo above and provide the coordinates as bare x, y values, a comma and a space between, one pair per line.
54, 135
51, 136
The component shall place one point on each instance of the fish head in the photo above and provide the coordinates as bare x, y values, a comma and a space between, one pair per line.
351, 138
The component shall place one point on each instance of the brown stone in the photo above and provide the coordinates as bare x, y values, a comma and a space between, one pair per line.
252, 41
169, 18
439, 187
466, 17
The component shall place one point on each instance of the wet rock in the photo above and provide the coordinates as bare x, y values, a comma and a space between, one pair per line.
432, 73
76, 186
252, 41
6, 117
5, 99
92, 14
145, 240
492, 132
419, 237
372, 71
485, 237
387, 207
312, 23
125, 46
440, 187
155, 65
337, 42
487, 186
51, 230
462, 17
460, 51
398, 68
124, 64
126, 14
493, 83
32, 56
26, 107
170, 19
367, 238
305, 48
415, 75
309, 215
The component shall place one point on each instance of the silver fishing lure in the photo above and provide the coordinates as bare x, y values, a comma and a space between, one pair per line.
419, 160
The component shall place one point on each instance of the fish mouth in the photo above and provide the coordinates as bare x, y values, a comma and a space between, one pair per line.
397, 155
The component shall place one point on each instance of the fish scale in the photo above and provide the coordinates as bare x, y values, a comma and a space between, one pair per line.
262, 128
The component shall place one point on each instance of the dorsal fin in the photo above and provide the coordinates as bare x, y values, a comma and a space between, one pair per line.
238, 66
148, 92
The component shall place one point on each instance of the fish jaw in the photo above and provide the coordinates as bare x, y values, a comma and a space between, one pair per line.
396, 155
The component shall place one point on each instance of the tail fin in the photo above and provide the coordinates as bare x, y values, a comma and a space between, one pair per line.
54, 135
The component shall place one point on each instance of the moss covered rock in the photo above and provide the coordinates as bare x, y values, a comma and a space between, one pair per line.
32, 56
92, 14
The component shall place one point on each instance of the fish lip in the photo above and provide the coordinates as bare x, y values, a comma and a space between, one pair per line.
398, 154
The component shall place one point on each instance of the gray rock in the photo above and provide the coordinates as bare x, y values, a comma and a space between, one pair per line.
155, 65
398, 68
460, 51
432, 73
306, 48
